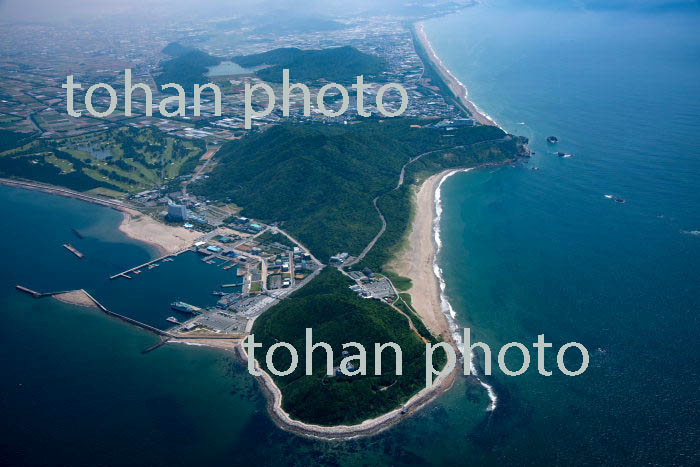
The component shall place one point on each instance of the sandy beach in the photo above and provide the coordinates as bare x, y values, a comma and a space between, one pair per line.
416, 259
459, 90
168, 239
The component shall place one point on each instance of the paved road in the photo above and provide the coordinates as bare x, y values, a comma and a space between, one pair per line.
402, 176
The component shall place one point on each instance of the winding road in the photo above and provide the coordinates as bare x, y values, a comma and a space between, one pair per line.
402, 176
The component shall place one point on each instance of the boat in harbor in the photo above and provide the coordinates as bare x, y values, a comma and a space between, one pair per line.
183, 307
552, 139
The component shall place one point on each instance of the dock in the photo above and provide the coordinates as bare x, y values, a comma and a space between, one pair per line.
126, 273
73, 250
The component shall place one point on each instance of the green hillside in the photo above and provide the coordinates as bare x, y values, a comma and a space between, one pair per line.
175, 49
319, 180
187, 67
338, 316
338, 64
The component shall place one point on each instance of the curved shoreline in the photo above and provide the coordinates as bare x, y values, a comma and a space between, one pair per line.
135, 224
344, 432
428, 293
166, 239
438, 315
459, 90
445, 304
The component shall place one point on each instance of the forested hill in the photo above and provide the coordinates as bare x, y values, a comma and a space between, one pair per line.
320, 180
337, 64
187, 67
12, 139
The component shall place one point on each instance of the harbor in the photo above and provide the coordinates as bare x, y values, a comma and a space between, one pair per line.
211, 291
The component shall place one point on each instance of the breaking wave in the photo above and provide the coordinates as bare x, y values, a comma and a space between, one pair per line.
445, 304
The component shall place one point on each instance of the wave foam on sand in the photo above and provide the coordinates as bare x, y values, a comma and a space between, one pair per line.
445, 304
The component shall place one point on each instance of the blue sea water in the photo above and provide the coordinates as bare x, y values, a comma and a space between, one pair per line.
525, 252
530, 252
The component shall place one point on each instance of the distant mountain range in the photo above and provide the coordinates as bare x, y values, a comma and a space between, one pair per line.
188, 65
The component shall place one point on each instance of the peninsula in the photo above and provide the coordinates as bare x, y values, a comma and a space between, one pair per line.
328, 222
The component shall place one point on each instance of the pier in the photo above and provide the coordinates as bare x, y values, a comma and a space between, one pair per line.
125, 274
29, 291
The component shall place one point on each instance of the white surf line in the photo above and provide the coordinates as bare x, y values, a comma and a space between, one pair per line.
441, 65
445, 304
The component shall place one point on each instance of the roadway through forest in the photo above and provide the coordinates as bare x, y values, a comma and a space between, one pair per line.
400, 182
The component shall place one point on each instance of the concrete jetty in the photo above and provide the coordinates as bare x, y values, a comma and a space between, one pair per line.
166, 336
36, 294
29, 291
73, 250
125, 274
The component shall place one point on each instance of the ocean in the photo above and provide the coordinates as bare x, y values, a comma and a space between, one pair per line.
524, 252
528, 252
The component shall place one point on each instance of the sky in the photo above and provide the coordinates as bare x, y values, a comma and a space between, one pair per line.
61, 10
57, 10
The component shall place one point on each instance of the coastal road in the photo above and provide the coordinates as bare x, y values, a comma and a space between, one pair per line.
400, 182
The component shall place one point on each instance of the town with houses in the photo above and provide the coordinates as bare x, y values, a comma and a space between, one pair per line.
270, 264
